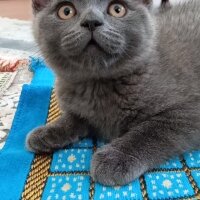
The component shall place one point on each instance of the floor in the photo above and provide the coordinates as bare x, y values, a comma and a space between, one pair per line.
17, 9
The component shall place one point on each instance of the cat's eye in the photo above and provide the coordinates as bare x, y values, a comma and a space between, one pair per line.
66, 12
117, 10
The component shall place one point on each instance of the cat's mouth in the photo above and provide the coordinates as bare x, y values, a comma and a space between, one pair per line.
94, 44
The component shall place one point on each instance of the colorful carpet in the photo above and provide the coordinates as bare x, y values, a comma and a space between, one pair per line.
65, 174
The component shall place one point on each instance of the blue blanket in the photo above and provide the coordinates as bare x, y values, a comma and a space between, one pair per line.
65, 174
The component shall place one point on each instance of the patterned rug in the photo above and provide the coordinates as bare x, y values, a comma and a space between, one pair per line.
16, 45
5, 81
65, 174
13, 74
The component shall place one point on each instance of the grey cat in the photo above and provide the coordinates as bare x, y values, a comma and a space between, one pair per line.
131, 77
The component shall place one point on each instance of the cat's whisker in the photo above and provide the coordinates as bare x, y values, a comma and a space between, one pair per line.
71, 35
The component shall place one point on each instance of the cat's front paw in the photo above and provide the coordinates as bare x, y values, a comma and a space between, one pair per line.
112, 167
47, 139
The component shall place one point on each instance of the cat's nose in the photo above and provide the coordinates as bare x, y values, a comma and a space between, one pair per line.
91, 24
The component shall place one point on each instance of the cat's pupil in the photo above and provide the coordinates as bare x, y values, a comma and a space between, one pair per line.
67, 11
117, 9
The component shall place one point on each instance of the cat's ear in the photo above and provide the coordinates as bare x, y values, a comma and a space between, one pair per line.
38, 5
165, 5
147, 2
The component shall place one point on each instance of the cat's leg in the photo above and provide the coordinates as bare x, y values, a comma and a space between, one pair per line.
143, 148
66, 130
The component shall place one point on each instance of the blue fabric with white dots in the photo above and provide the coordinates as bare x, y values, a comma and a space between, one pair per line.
71, 160
67, 187
168, 181
168, 184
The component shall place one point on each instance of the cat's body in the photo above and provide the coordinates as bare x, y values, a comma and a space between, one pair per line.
145, 101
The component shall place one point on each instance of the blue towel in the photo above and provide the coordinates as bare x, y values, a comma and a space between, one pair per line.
67, 176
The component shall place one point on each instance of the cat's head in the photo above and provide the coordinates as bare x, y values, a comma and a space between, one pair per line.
93, 37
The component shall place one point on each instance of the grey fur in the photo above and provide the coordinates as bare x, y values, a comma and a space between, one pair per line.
140, 89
